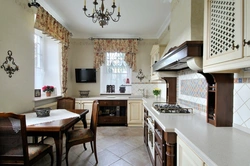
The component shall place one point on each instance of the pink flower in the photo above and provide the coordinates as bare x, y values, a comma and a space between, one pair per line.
48, 88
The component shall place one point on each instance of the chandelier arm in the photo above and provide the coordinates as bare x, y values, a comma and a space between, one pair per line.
114, 19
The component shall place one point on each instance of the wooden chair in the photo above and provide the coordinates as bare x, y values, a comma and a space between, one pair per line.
66, 103
82, 136
14, 148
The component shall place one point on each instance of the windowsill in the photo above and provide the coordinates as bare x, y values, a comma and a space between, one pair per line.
46, 98
116, 93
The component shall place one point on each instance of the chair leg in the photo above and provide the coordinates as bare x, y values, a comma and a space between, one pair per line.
66, 156
91, 144
84, 146
95, 151
52, 158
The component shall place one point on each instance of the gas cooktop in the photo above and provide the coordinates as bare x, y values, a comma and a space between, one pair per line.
163, 107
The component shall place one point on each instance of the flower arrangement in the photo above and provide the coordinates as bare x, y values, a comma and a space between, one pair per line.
157, 91
48, 88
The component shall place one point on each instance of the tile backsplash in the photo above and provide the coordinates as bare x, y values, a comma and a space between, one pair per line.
191, 92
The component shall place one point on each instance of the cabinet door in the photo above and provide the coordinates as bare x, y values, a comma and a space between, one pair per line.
223, 26
88, 105
247, 27
78, 104
185, 155
135, 112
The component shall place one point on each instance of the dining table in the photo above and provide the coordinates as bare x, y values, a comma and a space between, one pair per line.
55, 126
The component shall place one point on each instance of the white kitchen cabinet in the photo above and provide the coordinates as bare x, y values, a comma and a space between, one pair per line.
156, 54
85, 104
186, 156
226, 27
135, 112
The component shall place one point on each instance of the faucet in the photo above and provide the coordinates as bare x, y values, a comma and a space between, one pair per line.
143, 92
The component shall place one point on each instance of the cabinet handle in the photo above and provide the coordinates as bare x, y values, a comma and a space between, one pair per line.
244, 42
235, 46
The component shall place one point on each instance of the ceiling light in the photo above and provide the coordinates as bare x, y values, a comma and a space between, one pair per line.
34, 3
101, 15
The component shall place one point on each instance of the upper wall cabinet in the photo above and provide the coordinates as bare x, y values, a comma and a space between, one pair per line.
226, 35
156, 53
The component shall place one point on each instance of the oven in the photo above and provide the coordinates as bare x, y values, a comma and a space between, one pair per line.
151, 134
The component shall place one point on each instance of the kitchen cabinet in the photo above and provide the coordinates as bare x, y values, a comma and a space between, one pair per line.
135, 113
156, 53
186, 156
112, 112
170, 139
220, 99
84, 104
226, 36
160, 148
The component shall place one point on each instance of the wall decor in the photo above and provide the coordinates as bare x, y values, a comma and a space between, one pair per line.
37, 92
140, 75
9, 65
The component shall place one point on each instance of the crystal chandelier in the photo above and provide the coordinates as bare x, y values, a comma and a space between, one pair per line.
101, 15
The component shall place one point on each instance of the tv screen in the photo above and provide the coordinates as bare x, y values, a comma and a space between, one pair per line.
85, 75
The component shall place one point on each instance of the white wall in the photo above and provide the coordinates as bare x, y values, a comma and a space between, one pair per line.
81, 55
186, 22
16, 34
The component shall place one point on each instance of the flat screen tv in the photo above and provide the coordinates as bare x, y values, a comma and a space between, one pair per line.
85, 75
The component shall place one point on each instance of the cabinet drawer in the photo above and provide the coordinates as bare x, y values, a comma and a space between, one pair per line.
119, 102
105, 103
112, 120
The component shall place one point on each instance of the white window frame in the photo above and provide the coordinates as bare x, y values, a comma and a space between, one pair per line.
49, 71
118, 77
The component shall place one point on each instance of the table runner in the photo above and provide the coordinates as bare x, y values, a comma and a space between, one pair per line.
57, 114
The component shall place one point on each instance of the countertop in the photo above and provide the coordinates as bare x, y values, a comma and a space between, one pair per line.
216, 146
221, 146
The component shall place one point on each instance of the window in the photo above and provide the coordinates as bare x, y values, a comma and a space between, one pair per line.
47, 62
115, 71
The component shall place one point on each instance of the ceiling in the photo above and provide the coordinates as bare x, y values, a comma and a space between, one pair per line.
146, 19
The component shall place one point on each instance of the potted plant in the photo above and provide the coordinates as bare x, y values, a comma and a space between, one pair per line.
48, 89
157, 92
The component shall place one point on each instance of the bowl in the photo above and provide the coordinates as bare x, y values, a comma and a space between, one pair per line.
43, 112
84, 93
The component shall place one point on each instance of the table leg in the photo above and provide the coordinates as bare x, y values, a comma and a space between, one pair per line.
58, 143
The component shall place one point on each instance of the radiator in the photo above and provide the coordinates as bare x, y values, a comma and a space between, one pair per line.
51, 105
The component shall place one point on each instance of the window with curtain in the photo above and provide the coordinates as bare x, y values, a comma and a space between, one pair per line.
47, 56
115, 71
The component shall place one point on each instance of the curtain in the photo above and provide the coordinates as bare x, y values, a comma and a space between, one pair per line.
127, 46
50, 26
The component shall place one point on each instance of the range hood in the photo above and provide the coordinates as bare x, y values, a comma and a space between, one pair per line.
177, 58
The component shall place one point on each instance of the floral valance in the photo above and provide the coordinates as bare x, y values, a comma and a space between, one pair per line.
50, 26
127, 46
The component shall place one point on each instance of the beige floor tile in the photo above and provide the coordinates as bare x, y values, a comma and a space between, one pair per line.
120, 148
121, 163
116, 146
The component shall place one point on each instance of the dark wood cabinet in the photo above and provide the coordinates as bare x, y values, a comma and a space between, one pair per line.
112, 112
220, 99
160, 149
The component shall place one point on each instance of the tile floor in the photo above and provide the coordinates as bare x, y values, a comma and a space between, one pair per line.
116, 146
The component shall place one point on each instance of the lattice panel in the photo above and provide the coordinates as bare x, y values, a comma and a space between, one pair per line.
222, 26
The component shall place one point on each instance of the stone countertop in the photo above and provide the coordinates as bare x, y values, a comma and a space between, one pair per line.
221, 146
111, 97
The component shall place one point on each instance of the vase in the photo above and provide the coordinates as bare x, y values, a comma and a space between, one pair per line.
48, 94
157, 96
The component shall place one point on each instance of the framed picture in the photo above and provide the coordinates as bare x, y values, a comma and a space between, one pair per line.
37, 92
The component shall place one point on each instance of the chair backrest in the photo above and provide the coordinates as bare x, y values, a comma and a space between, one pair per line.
94, 116
66, 103
13, 138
